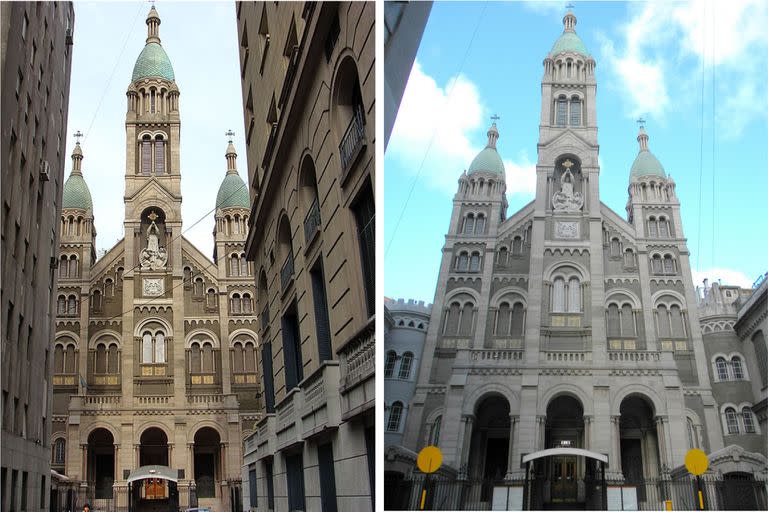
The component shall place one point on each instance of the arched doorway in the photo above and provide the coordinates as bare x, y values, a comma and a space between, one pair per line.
207, 461
639, 446
101, 463
564, 428
489, 448
154, 448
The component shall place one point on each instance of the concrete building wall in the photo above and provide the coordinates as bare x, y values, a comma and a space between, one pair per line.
36, 64
309, 103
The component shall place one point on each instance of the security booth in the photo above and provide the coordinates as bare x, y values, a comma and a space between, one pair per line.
564, 478
153, 488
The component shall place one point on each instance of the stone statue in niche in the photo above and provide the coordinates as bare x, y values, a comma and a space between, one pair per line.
153, 257
566, 200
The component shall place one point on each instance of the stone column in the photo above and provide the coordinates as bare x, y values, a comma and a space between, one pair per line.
541, 422
84, 465
137, 454
191, 468
117, 463
615, 460
587, 432
469, 420
660, 441
511, 455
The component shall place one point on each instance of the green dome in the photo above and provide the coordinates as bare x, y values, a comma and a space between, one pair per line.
569, 42
233, 193
76, 193
153, 62
646, 164
487, 160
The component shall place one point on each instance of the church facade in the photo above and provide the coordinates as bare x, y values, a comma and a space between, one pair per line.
566, 326
155, 380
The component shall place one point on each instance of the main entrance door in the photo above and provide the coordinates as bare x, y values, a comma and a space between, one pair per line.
563, 479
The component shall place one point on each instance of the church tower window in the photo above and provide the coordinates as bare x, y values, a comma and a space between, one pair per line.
159, 155
480, 225
474, 262
562, 111
146, 155
575, 111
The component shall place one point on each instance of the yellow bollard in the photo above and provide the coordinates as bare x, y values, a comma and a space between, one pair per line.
668, 505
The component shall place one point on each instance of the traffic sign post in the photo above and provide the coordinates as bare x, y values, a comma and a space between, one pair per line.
696, 462
428, 461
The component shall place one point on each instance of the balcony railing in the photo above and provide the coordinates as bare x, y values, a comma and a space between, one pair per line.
353, 141
312, 222
358, 356
286, 273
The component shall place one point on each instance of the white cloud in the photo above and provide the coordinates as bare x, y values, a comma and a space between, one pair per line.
450, 121
728, 35
726, 275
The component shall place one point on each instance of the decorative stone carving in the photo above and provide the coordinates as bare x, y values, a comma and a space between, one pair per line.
153, 286
566, 229
153, 257
566, 200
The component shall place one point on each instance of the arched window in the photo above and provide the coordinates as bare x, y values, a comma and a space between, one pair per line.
159, 347
627, 321
72, 305
146, 348
574, 296
237, 224
405, 366
662, 317
503, 319
207, 357
243, 266
236, 303
676, 318
70, 363
722, 368
59, 451
234, 267
101, 358
61, 305
462, 263
109, 288
73, 266
518, 321
558, 295
656, 264
187, 276
663, 228
153, 347
113, 359
480, 224
247, 308
562, 111
669, 264
198, 287
615, 247
63, 268
452, 320
389, 363
96, 300
474, 262
517, 245
749, 420
434, 432
613, 320
159, 155
731, 421
250, 357
195, 358
395, 413
575, 111
652, 228
238, 358
737, 367
469, 224
629, 258
58, 359
119, 275
503, 257
467, 318
146, 155
211, 298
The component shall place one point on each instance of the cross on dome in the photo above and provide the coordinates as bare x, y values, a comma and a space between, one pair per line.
77, 136
230, 134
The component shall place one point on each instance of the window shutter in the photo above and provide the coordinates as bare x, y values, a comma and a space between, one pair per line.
365, 215
159, 157
291, 349
321, 313
269, 387
146, 157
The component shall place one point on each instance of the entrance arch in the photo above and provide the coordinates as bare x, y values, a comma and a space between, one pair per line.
638, 442
565, 472
489, 445
101, 463
207, 463
153, 450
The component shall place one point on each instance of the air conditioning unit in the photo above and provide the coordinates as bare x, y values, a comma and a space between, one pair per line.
68, 36
45, 170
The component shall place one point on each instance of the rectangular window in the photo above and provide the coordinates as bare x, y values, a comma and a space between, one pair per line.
322, 323
252, 488
269, 383
562, 112
327, 477
732, 420
575, 113
365, 215
294, 371
146, 157
270, 483
159, 157
294, 472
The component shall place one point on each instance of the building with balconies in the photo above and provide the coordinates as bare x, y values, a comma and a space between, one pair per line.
154, 354
308, 85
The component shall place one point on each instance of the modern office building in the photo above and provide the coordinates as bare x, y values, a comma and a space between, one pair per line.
36, 40
308, 75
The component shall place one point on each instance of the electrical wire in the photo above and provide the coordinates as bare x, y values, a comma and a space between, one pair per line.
701, 137
434, 132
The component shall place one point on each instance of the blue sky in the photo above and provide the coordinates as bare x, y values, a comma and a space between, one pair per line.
650, 58
201, 41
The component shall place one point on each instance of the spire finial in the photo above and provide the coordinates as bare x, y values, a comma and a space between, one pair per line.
231, 154
230, 134
641, 122
153, 25
493, 133
77, 136
642, 137
569, 20
495, 118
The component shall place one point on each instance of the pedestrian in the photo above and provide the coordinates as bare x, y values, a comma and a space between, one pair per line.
86, 508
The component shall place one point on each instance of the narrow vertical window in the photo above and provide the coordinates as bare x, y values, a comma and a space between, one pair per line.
558, 295
395, 412
574, 296
146, 348
738, 369
159, 156
732, 421
389, 363
159, 347
405, 366
722, 368
146, 156
152, 101
749, 421
575, 112
562, 111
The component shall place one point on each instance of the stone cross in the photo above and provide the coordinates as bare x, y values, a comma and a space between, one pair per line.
78, 135
570, 6
495, 118
230, 134
641, 122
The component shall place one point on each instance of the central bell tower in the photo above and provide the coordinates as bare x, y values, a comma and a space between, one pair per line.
152, 164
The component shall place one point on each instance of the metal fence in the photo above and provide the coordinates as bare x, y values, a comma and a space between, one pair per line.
732, 492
